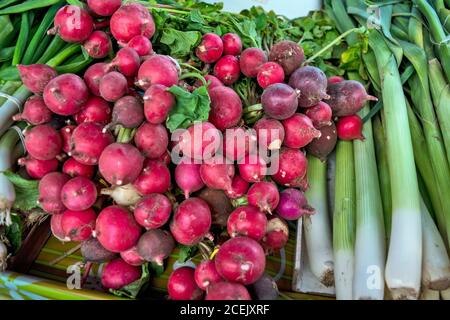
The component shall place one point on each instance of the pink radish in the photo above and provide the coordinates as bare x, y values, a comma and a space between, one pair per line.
288, 54
238, 143
93, 251
206, 274
227, 291
66, 135
113, 86
292, 167
239, 187
320, 114
95, 109
78, 225
347, 97
104, 8
335, 79
153, 211
93, 75
155, 245
226, 107
277, 234
264, 195
165, 158
79, 194
299, 131
247, 221
130, 20
279, 101
312, 84
56, 228
210, 48
36, 169
241, 260
128, 111
72, 24
127, 61
187, 177
157, 69
120, 163
293, 204
350, 128
270, 133
118, 274
232, 44
191, 221
66, 94
152, 140
132, 257
98, 45
270, 73
217, 174
74, 169
154, 178
251, 61
36, 76
88, 142
252, 168
34, 111
212, 81
43, 142
141, 45
157, 103
227, 70
200, 141
50, 192
182, 285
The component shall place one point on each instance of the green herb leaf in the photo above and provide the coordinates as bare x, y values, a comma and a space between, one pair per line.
133, 289
186, 253
180, 43
14, 233
27, 193
156, 269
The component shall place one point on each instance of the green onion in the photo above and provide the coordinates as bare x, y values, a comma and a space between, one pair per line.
22, 39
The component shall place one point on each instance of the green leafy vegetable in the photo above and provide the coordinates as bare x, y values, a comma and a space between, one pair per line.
133, 289
186, 253
27, 192
156, 269
13, 233
181, 43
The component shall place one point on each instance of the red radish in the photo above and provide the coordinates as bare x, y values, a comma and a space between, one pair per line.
155, 178
157, 69
96, 109
93, 251
347, 97
264, 195
211, 80
88, 142
153, 211
113, 86
56, 228
165, 158
320, 115
72, 24
66, 94
98, 45
132, 257
34, 111
299, 131
126, 195
200, 141
127, 62
210, 48
36, 76
191, 221
247, 221
232, 44
350, 128
128, 111
117, 274
239, 187
270, 73
252, 168
226, 108
279, 101
187, 177
182, 285
239, 142
312, 84
335, 79
156, 245
141, 45
206, 274
277, 234
241, 260
227, 291
43, 142
227, 70
270, 133
130, 20
36, 169
74, 168
66, 135
217, 174
79, 194
50, 192
78, 225
292, 167
104, 8
323, 146
288, 54
120, 163
93, 75
157, 103
293, 204
116, 229
152, 140
251, 61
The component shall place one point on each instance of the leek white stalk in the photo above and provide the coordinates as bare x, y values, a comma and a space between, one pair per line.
445, 294
11, 107
428, 294
3, 256
316, 227
331, 170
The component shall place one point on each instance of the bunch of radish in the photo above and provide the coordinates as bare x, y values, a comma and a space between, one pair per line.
119, 196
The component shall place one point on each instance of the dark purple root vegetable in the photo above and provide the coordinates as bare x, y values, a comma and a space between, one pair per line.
155, 245
219, 204
93, 251
323, 146
288, 54
265, 288
279, 101
128, 111
312, 83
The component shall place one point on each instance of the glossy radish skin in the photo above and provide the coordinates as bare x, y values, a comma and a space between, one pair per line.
279, 101
93, 75
226, 108
251, 61
118, 274
350, 128
72, 24
66, 135
66, 94
36, 76
277, 234
335, 79
239, 142
292, 167
141, 45
227, 291
152, 140
157, 69
43, 142
96, 109
153, 211
157, 103
323, 146
227, 70
116, 229
78, 225
206, 274
191, 221
239, 187
104, 8
34, 111
247, 221
210, 48
88, 142
56, 228
98, 45
200, 141
165, 158
270, 73
252, 168
128, 111
130, 20
288, 54
182, 285
120, 163
321, 115
74, 169
50, 192
293, 204
232, 44
127, 61
264, 195
113, 86
270, 133
155, 245
217, 174
154, 178
188, 179
299, 131
241, 260
79, 194
36, 169
93, 251
132, 257
312, 84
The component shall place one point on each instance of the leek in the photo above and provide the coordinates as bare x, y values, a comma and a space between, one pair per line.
428, 294
445, 294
